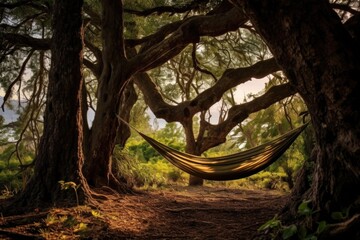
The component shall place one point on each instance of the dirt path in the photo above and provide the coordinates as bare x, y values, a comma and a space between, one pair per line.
180, 213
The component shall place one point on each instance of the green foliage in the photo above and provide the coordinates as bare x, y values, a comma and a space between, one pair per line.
155, 172
272, 223
261, 180
338, 216
96, 214
272, 122
75, 223
12, 177
70, 185
67, 185
295, 231
81, 228
170, 135
289, 231
304, 208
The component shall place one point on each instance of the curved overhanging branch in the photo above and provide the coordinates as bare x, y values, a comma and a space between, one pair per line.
189, 32
163, 46
156, 37
231, 78
27, 41
216, 134
164, 31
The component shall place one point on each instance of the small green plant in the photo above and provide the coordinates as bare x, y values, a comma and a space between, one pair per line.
81, 228
67, 185
289, 231
50, 220
70, 221
96, 214
6, 193
338, 216
271, 224
277, 229
304, 209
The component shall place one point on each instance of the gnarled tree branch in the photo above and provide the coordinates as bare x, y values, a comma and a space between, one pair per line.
203, 101
27, 41
217, 133
189, 32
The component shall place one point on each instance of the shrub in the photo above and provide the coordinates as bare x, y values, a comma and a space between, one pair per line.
142, 173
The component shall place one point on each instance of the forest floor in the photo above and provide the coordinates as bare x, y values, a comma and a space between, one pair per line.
171, 213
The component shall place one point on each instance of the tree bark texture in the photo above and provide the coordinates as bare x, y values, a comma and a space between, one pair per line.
321, 60
111, 85
192, 147
60, 155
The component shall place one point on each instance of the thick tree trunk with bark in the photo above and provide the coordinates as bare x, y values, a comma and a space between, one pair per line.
60, 155
192, 147
113, 79
321, 60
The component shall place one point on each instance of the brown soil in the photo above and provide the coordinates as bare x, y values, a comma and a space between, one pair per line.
177, 213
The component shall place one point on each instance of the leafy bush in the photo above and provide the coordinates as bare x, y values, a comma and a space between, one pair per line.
175, 175
11, 178
141, 173
301, 230
261, 180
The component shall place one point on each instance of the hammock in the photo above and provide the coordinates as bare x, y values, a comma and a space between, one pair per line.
230, 167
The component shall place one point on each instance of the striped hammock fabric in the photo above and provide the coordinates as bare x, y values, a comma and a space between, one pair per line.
230, 167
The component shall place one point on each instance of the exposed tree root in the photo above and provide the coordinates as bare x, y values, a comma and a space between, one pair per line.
111, 185
15, 235
349, 229
11, 221
118, 185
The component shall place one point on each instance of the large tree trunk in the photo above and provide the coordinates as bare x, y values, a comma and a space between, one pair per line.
60, 155
321, 60
113, 79
192, 148
195, 181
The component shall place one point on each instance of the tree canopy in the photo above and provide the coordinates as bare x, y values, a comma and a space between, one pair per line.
186, 56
